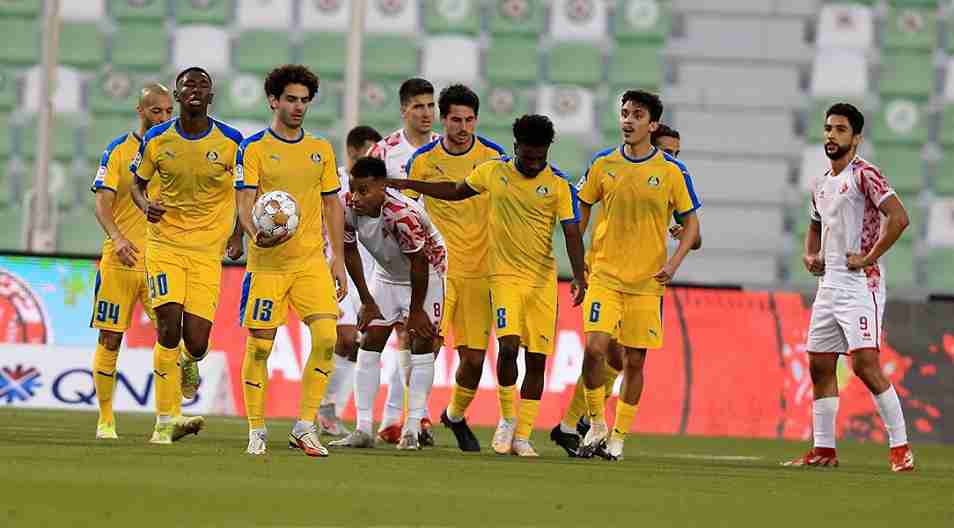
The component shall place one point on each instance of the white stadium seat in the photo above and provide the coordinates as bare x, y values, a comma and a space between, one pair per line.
949, 81
455, 59
264, 14
718, 84
570, 108
578, 20
763, 132
207, 46
325, 15
67, 93
840, 73
85, 11
846, 26
941, 223
814, 164
742, 227
753, 181
393, 16
724, 267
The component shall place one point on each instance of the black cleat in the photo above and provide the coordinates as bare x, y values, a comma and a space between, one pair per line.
466, 440
582, 426
568, 441
426, 436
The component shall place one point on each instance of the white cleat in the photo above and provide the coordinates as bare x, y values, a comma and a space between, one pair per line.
503, 437
106, 431
183, 426
409, 441
306, 439
594, 440
613, 449
357, 439
523, 448
257, 442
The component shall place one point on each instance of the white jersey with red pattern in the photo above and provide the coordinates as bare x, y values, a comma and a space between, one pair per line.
847, 204
395, 150
366, 261
403, 227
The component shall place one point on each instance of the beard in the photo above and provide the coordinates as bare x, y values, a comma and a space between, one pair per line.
838, 153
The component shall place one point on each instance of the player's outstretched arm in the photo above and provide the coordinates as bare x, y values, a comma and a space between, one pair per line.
450, 191
418, 323
124, 249
897, 222
691, 227
814, 262
334, 221
574, 249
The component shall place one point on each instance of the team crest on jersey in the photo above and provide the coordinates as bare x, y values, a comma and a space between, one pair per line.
212, 155
844, 188
653, 181
316, 157
542, 190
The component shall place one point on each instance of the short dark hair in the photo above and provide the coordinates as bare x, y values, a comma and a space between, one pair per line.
457, 94
534, 130
282, 76
646, 99
664, 130
193, 69
851, 112
413, 87
369, 168
360, 135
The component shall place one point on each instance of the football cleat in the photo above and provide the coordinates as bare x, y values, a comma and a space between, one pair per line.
466, 440
162, 434
390, 434
594, 438
332, 427
357, 439
503, 437
611, 449
190, 377
426, 436
583, 426
815, 457
523, 448
306, 439
257, 444
568, 441
106, 431
902, 458
182, 426
409, 442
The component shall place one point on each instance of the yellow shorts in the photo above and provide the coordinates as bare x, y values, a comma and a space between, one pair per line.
467, 311
634, 320
190, 280
266, 296
115, 296
526, 311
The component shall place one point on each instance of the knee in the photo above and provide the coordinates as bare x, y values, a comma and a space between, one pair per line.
110, 340
169, 333
820, 372
633, 362
508, 352
615, 361
471, 360
324, 336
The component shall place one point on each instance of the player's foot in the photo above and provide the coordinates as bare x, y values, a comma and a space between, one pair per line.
426, 436
583, 426
503, 437
332, 426
568, 441
257, 444
523, 448
611, 449
306, 439
356, 438
815, 457
390, 434
106, 431
183, 426
190, 377
466, 440
409, 441
594, 439
902, 458
162, 434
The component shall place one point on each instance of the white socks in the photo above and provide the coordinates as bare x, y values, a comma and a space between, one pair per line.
824, 412
367, 379
889, 407
419, 389
341, 384
394, 406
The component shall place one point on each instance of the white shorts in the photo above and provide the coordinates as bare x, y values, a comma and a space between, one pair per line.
394, 301
845, 320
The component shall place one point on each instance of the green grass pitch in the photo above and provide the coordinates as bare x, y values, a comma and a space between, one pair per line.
56, 474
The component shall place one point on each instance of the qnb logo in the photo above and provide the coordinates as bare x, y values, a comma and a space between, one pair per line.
18, 384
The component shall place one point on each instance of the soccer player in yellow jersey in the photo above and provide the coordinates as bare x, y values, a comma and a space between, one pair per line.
191, 216
527, 197
640, 188
290, 269
467, 308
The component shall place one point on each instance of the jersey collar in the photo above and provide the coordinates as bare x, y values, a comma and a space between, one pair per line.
301, 136
193, 138
622, 151
473, 144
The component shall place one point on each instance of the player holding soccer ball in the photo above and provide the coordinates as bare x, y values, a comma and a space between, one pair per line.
190, 221
290, 268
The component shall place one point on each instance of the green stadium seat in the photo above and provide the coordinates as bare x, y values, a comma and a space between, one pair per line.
901, 120
902, 166
6, 136
906, 73
609, 115
7, 187
142, 10
517, 17
379, 105
260, 51
946, 132
391, 57
502, 105
327, 54
944, 173
645, 20
452, 16
579, 63
21, 8
78, 232
22, 39
327, 111
63, 138
899, 262
501, 135
114, 92
571, 155
8, 89
214, 12
512, 60
241, 97
81, 45
911, 28
140, 47
103, 129
10, 236
938, 267
636, 65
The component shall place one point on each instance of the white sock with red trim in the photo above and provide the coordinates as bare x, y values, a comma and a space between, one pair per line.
889, 407
824, 413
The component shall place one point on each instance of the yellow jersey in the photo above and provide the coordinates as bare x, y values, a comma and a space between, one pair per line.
523, 212
195, 185
639, 196
113, 175
463, 224
305, 169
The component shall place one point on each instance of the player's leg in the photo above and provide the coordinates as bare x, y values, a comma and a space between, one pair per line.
203, 279
467, 376
420, 377
104, 379
341, 384
575, 423
602, 310
538, 337
509, 310
390, 429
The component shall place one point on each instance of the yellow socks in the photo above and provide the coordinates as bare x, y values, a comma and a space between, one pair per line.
505, 396
611, 375
624, 419
255, 379
104, 379
528, 415
165, 373
595, 403
460, 401
318, 368
577, 406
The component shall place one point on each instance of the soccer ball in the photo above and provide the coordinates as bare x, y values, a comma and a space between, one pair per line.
275, 214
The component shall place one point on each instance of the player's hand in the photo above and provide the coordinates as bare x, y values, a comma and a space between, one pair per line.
676, 231
815, 264
235, 248
419, 325
368, 313
264, 241
857, 261
126, 251
340, 275
578, 290
665, 275
154, 211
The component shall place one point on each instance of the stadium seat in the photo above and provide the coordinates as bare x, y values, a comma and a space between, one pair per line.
512, 60
917, 215
326, 52
140, 47
502, 105
609, 115
579, 63
644, 20
756, 181
8, 89
81, 45
152, 10
21, 8
906, 73
393, 17
251, 127
22, 39
570, 108
846, 26
241, 97
814, 164
264, 14
571, 154
946, 131
7, 186
525, 18
902, 165
379, 105
938, 268
325, 16
11, 238
718, 84
840, 73
63, 137
730, 267
940, 232
390, 56
452, 16
205, 45
731, 132
943, 179
79, 233
579, 20
325, 112
899, 264
260, 51
86, 11
911, 28
67, 93
901, 121
6, 136
104, 129
743, 228
114, 91
451, 58
214, 12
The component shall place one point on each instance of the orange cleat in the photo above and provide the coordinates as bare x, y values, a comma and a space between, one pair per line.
902, 458
390, 434
815, 457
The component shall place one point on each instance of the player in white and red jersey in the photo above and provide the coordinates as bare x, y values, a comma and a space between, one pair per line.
417, 115
856, 218
407, 287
